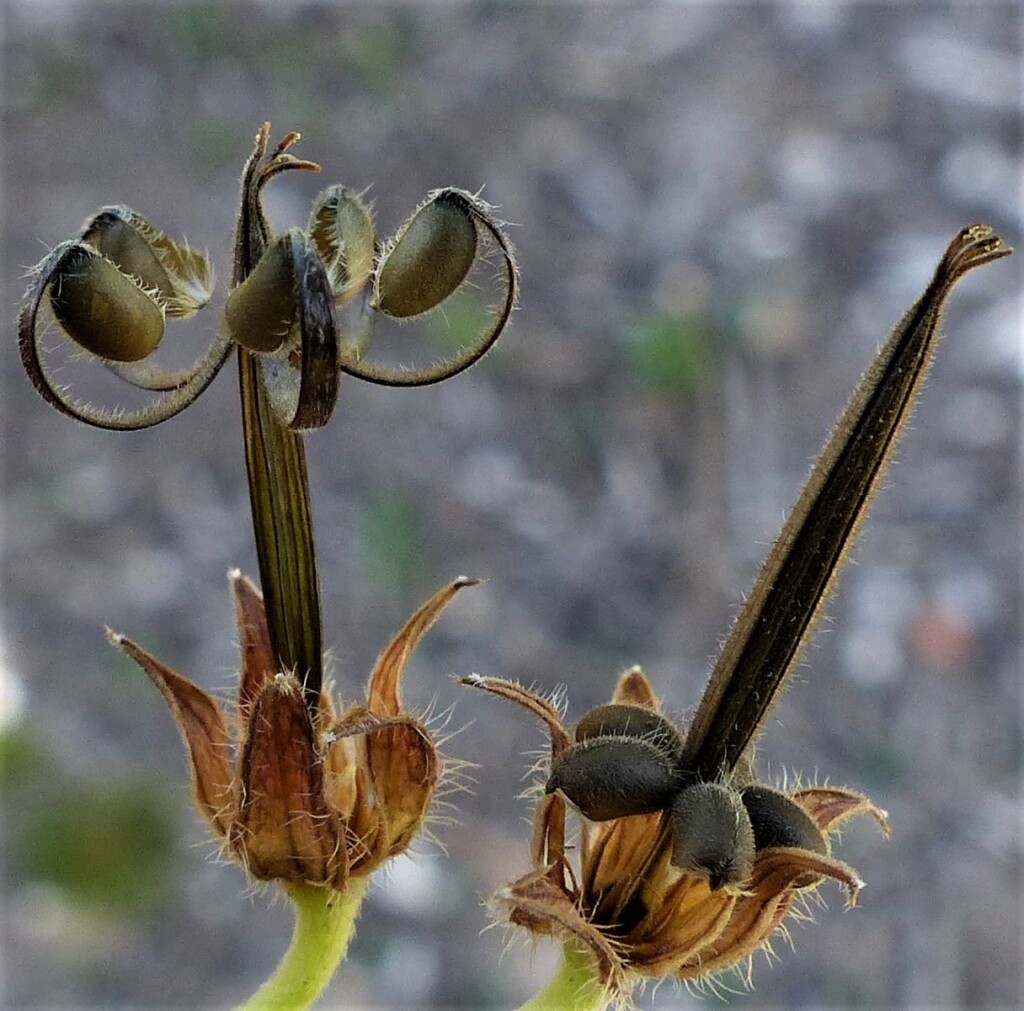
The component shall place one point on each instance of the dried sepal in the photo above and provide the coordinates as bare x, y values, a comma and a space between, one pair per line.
687, 919
203, 729
635, 689
283, 821
126, 327
341, 228
384, 696
541, 707
404, 769
539, 905
831, 806
180, 277
424, 265
616, 859
258, 662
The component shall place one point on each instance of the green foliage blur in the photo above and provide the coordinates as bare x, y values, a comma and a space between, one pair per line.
673, 353
106, 847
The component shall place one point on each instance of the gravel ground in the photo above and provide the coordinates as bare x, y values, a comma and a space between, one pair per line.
767, 184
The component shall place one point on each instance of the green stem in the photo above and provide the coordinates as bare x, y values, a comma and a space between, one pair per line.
324, 924
576, 986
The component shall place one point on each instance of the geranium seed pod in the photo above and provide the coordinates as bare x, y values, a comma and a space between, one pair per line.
429, 258
261, 310
180, 278
121, 243
102, 309
341, 228
614, 777
778, 820
712, 836
621, 720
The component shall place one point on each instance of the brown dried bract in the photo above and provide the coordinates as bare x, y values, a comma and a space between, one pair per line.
293, 792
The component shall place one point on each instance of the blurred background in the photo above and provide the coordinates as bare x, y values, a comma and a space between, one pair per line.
720, 211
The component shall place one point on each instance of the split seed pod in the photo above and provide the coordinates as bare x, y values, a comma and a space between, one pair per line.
110, 292
261, 311
103, 310
429, 257
341, 227
426, 262
712, 835
284, 312
179, 277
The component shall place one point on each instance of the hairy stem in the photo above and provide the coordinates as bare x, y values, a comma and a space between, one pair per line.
283, 524
576, 986
325, 922
276, 460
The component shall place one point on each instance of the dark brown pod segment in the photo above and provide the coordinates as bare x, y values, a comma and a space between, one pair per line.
620, 720
778, 820
712, 836
75, 257
403, 297
614, 777
261, 311
341, 227
301, 378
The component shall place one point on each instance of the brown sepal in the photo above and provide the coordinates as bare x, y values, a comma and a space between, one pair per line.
687, 919
404, 768
830, 806
621, 856
384, 692
203, 729
537, 903
536, 704
285, 827
258, 663
634, 689
766, 903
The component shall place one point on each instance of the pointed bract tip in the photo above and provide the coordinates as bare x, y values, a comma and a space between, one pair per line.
114, 638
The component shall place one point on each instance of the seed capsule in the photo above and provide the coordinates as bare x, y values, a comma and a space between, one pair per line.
430, 257
614, 777
180, 278
260, 312
341, 228
712, 836
122, 244
621, 720
778, 820
102, 310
